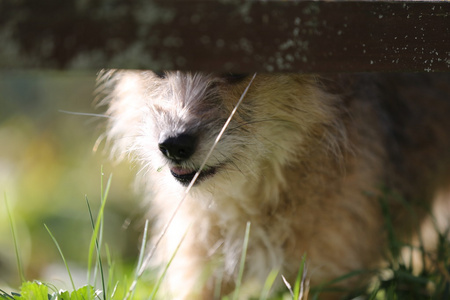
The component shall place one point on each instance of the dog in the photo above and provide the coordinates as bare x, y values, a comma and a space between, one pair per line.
313, 163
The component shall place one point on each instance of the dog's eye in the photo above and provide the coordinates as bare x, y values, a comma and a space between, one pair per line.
160, 74
233, 78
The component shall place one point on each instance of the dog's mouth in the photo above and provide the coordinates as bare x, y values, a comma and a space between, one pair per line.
185, 175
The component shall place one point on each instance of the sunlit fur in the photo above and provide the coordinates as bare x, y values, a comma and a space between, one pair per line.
306, 159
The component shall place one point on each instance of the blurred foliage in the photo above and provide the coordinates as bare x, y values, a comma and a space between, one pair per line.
48, 167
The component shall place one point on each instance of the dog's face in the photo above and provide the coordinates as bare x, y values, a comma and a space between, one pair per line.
171, 120
186, 114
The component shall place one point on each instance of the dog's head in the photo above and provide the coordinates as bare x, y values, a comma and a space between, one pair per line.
169, 121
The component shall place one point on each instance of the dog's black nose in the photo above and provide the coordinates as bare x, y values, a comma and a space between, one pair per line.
178, 148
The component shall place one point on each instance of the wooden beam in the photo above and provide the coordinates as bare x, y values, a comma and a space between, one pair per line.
305, 36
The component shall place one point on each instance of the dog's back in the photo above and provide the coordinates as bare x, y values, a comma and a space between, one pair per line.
314, 163
412, 113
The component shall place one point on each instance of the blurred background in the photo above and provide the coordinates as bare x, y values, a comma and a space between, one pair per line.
48, 168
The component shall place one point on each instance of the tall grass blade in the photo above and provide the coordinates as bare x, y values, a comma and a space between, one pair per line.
96, 239
4, 295
99, 258
63, 258
268, 284
218, 284
16, 244
137, 275
114, 289
166, 267
330, 285
143, 246
99, 241
112, 282
301, 288
242, 263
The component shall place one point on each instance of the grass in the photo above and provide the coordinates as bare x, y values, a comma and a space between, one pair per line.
16, 246
398, 281
242, 262
301, 287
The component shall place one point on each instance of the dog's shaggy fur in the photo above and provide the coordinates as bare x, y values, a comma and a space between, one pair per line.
306, 160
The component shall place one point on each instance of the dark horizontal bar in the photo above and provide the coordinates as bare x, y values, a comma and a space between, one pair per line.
305, 36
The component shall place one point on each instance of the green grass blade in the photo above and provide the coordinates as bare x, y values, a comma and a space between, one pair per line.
242, 263
218, 283
93, 228
143, 246
299, 288
140, 262
99, 242
114, 289
5, 296
97, 247
16, 244
268, 284
112, 283
330, 285
298, 280
62, 256
96, 238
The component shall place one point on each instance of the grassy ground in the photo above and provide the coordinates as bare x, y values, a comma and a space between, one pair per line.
108, 279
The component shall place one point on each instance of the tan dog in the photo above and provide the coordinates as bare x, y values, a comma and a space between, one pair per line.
305, 159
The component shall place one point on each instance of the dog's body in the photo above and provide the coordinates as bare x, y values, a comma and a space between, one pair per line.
306, 160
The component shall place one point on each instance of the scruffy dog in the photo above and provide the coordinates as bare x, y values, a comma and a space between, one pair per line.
313, 163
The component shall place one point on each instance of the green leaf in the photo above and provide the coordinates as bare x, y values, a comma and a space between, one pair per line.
33, 291
85, 292
64, 295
